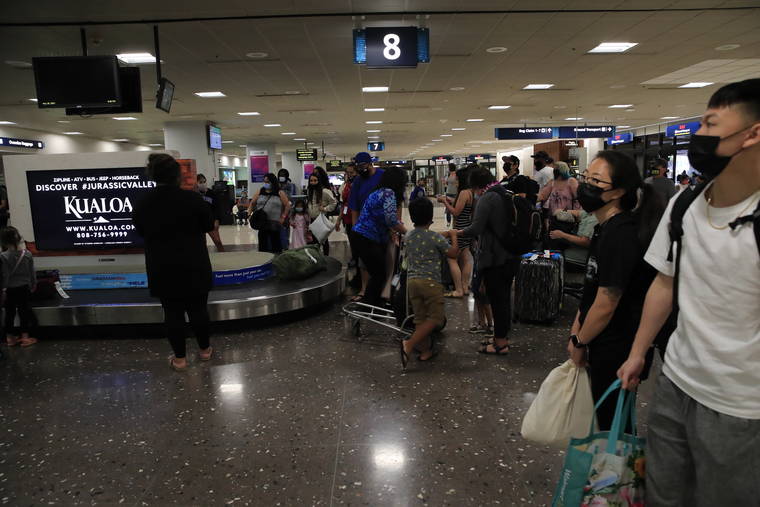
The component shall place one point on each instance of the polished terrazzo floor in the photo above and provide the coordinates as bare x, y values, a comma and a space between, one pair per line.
292, 411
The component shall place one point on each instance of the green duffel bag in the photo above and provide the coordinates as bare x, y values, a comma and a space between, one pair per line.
299, 263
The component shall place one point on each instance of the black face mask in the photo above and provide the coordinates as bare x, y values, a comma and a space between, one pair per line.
590, 197
703, 158
539, 164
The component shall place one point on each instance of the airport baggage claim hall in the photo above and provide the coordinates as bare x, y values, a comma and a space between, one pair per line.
306, 393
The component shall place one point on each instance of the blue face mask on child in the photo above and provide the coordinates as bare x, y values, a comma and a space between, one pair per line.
267, 186
299, 210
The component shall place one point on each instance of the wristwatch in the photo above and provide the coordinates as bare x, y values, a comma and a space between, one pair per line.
577, 343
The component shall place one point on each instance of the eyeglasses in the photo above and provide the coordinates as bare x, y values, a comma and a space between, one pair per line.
584, 178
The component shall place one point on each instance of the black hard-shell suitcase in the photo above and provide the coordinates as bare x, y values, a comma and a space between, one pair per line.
538, 288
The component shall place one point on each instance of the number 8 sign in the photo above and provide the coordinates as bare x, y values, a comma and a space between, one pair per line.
391, 47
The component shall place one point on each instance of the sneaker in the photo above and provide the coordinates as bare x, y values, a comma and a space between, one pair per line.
477, 330
488, 331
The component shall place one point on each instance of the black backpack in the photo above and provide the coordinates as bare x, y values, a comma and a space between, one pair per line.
675, 230
523, 230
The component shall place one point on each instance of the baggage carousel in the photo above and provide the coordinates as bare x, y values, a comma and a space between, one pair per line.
244, 288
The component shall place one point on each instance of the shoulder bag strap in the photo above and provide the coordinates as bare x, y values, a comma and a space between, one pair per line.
675, 230
754, 219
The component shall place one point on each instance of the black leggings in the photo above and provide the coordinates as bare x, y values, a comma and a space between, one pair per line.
498, 282
18, 298
372, 255
196, 307
269, 240
604, 362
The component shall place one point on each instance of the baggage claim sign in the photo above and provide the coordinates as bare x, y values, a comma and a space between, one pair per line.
86, 208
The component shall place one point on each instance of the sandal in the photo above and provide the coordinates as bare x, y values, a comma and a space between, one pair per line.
497, 351
452, 294
404, 355
207, 356
27, 342
174, 366
357, 298
477, 330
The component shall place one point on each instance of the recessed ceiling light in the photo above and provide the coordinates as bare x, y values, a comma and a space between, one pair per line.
696, 84
250, 113
210, 95
226, 142
496, 49
374, 89
613, 47
498, 107
724, 47
457, 89
538, 86
374, 109
474, 119
373, 122
373, 131
669, 117
445, 135
459, 128
272, 125
136, 58
32, 100
620, 106
125, 118
288, 133
300, 139
155, 144
257, 54
292, 92
18, 64
73, 133
120, 140
573, 118
623, 126
4, 122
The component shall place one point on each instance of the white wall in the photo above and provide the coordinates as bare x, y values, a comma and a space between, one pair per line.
61, 143
190, 139
16, 168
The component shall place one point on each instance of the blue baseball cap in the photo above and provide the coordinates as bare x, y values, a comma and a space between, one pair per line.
363, 158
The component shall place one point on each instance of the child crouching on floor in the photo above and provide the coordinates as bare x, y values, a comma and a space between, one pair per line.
425, 250
18, 284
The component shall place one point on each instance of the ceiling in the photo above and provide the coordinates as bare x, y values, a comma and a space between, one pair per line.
312, 56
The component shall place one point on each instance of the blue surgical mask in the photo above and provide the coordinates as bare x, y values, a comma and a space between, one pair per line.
267, 186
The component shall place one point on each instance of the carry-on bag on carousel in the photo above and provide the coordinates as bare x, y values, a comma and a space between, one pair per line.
538, 287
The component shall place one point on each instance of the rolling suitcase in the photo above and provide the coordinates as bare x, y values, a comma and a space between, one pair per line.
538, 287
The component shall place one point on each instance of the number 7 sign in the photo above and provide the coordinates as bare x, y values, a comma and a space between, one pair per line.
376, 146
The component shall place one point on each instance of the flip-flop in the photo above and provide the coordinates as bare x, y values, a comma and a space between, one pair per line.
174, 366
452, 294
206, 358
357, 298
497, 351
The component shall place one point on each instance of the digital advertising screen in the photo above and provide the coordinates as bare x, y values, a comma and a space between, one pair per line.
306, 155
81, 209
214, 137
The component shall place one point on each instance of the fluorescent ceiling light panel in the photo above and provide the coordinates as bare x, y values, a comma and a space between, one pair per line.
374, 89
459, 128
272, 125
613, 47
250, 113
620, 106
71, 133
32, 100
374, 131
474, 119
374, 109
436, 140
538, 86
373, 137
696, 84
623, 126
669, 118
120, 140
210, 95
373, 122
4, 122
124, 118
498, 107
136, 57
300, 139
155, 144
288, 133
445, 135
225, 142
573, 118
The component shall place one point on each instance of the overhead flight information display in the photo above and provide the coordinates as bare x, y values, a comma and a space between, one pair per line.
77, 209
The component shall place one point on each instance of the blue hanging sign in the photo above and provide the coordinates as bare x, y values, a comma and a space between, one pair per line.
682, 129
523, 133
585, 131
625, 137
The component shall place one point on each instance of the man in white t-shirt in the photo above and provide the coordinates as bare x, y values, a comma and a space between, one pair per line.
704, 427
543, 172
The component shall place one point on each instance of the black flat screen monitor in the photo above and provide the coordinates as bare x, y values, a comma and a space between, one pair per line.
131, 96
306, 155
165, 95
214, 137
77, 81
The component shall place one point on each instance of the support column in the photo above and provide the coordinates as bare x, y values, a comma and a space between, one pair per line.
190, 139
